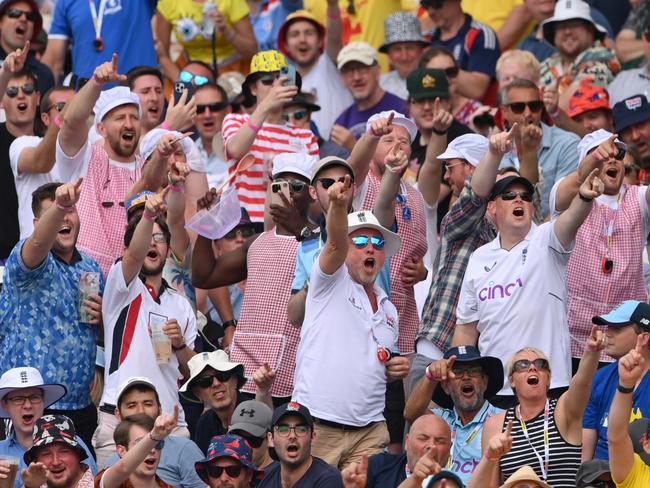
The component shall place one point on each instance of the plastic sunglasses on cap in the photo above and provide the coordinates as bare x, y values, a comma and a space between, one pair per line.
187, 77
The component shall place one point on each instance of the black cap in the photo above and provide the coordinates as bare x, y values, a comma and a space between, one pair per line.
502, 185
292, 408
590, 470
307, 100
638, 429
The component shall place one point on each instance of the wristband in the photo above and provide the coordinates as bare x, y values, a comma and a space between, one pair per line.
372, 132
229, 323
439, 132
147, 216
487, 455
624, 389
253, 127
174, 185
427, 373
179, 348
584, 198
165, 126
153, 438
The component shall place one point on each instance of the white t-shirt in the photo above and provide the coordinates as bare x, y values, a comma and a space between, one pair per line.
338, 375
324, 82
518, 298
26, 183
129, 352
392, 82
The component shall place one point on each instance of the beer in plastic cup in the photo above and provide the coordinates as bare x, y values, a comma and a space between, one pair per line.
14, 464
162, 344
88, 285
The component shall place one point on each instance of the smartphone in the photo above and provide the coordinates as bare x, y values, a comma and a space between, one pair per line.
290, 72
277, 188
179, 87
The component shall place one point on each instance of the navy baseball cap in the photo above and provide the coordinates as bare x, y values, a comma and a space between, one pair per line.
631, 111
292, 408
628, 311
502, 185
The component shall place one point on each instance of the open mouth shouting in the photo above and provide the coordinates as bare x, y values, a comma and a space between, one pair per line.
22, 107
533, 379
292, 450
152, 254
150, 462
65, 230
518, 212
21, 30
467, 389
369, 264
128, 136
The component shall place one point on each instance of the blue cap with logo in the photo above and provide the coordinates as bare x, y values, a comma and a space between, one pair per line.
631, 111
627, 312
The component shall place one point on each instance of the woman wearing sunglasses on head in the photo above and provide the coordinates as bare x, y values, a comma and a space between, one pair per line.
541, 432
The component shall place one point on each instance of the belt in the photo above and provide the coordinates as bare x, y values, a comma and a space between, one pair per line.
336, 425
107, 408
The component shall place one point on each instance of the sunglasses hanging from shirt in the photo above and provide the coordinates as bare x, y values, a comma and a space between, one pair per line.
98, 20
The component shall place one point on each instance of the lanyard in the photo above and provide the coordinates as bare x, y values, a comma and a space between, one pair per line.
455, 453
609, 229
98, 20
543, 465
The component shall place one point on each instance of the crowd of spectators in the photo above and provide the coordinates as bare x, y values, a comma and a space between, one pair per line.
324, 243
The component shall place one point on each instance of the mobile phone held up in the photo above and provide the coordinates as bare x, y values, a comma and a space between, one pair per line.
179, 87
277, 188
290, 72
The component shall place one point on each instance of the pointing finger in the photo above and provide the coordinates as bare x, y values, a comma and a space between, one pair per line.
391, 117
163, 194
509, 429
436, 105
639, 344
114, 61
511, 131
25, 49
77, 183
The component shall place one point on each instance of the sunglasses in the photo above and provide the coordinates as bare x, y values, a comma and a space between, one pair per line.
268, 80
511, 195
524, 364
296, 186
214, 107
16, 13
245, 232
458, 163
472, 371
362, 241
452, 72
299, 430
216, 471
27, 88
187, 77
208, 380
435, 4
327, 182
59, 106
297, 115
255, 442
534, 106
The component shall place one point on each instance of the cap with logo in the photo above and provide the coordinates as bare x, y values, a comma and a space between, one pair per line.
588, 97
630, 311
402, 27
28, 377
252, 417
630, 111
51, 429
137, 199
359, 51
427, 83
470, 147
292, 408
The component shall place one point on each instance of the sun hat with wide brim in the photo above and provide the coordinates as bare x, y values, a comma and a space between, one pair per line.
570, 10
365, 219
26, 377
217, 360
525, 473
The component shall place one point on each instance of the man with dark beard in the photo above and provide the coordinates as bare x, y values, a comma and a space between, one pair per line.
459, 385
143, 315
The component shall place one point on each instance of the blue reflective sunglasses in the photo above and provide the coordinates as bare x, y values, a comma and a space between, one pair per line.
187, 77
362, 241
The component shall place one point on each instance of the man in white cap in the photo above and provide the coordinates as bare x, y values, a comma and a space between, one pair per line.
109, 168
580, 52
606, 265
348, 344
23, 398
263, 333
358, 64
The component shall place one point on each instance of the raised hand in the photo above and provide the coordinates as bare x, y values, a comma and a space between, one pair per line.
630, 366
381, 127
342, 136
67, 195
156, 204
551, 97
500, 444
165, 146
442, 119
208, 199
178, 171
35, 475
501, 143
593, 186
264, 377
339, 193
604, 151
93, 305
441, 369
355, 475
181, 115
413, 271
15, 60
528, 138
107, 72
279, 95
396, 160
164, 425
597, 340
426, 465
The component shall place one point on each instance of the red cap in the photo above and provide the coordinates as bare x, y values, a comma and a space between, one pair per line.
588, 97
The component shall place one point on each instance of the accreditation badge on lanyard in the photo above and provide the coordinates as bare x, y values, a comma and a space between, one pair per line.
98, 20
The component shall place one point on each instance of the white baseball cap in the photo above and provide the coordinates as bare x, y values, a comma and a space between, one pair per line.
398, 119
470, 147
149, 142
26, 377
595, 139
132, 381
299, 163
365, 219
357, 51
115, 97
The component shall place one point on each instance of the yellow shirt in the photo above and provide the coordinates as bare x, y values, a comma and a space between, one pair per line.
186, 18
639, 475
367, 21
493, 13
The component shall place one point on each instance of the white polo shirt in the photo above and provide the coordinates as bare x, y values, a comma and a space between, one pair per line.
338, 375
127, 341
518, 298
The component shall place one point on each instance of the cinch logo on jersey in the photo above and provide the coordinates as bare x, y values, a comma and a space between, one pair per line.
493, 291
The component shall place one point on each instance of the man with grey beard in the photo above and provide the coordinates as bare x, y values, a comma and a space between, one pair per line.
459, 385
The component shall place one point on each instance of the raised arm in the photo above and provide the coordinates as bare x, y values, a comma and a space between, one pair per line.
135, 254
465, 334
528, 139
180, 239
419, 399
567, 224
364, 149
621, 451
572, 404
495, 445
334, 38
485, 173
425, 467
430, 176
396, 163
74, 125
336, 248
55, 56
131, 458
14, 62
48, 225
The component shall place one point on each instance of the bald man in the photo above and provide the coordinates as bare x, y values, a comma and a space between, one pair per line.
427, 432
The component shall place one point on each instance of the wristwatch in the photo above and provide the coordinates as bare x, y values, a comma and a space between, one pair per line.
624, 389
305, 233
229, 323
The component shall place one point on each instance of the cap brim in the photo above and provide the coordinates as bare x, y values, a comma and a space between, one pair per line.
491, 366
450, 153
253, 429
502, 185
549, 25
610, 320
392, 241
633, 117
384, 47
52, 393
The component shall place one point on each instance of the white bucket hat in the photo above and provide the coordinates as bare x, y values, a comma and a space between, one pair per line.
217, 360
26, 377
470, 147
366, 220
568, 10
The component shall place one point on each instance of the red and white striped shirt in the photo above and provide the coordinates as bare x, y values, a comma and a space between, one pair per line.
270, 141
